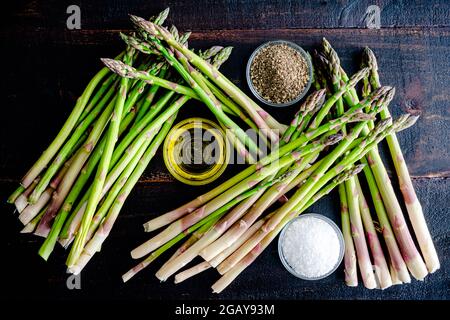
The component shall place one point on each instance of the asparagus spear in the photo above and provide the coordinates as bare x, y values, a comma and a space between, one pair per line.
313, 100
144, 138
64, 152
124, 143
161, 241
30, 226
221, 256
395, 255
147, 102
350, 261
33, 210
119, 150
213, 217
78, 113
379, 261
21, 195
350, 269
201, 226
44, 225
224, 238
330, 159
218, 55
105, 87
317, 182
362, 253
57, 226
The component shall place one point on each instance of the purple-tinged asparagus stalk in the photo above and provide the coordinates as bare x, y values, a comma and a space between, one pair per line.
30, 226
21, 202
33, 210
350, 267
379, 261
362, 251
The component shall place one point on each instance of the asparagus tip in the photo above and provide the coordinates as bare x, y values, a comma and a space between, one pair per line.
390, 95
364, 72
184, 38
162, 16
361, 116
333, 139
314, 101
369, 59
135, 19
222, 56
347, 174
174, 31
119, 68
326, 45
209, 53
382, 125
405, 121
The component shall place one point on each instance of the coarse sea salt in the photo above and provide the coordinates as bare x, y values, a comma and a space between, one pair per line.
311, 247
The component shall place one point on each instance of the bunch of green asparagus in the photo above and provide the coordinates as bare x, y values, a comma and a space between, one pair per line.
357, 221
75, 191
233, 223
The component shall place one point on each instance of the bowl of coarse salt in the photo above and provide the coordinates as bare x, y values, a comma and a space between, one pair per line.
311, 246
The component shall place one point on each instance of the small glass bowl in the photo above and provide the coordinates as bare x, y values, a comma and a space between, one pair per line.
338, 233
299, 50
173, 161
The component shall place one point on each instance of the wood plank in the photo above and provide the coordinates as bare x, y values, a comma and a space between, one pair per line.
30, 277
40, 90
232, 14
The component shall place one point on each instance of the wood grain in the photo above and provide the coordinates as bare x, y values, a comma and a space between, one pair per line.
233, 14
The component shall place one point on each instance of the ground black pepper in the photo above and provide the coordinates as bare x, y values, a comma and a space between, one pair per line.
279, 73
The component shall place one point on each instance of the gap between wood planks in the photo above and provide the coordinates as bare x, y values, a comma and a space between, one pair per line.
166, 178
97, 36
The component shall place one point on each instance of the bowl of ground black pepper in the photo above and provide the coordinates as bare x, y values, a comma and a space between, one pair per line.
279, 73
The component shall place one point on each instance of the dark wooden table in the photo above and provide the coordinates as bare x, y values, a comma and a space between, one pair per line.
45, 66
